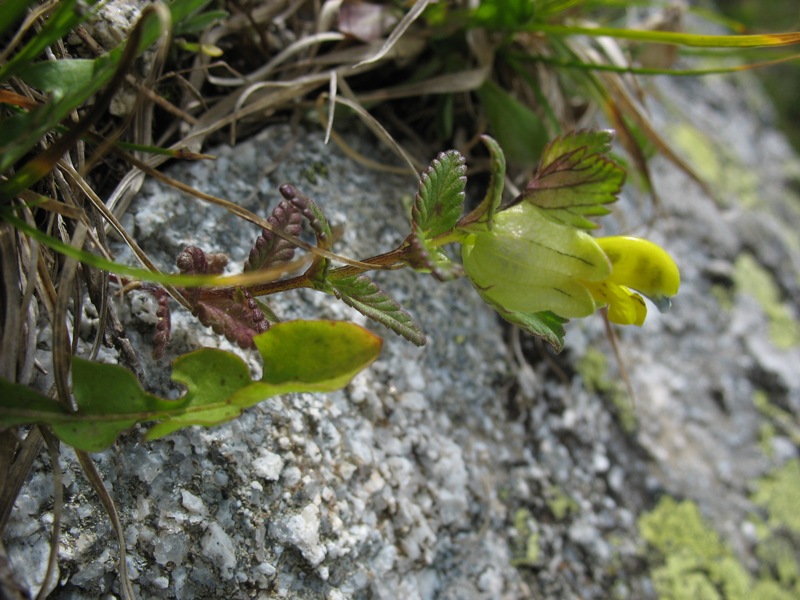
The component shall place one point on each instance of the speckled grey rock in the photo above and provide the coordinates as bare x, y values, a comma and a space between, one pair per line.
451, 471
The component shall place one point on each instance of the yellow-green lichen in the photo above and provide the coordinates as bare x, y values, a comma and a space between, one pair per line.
778, 494
316, 170
593, 369
751, 278
559, 503
693, 563
778, 418
766, 433
724, 296
716, 165
526, 549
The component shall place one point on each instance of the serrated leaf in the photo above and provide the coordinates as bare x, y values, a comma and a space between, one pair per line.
299, 356
575, 178
546, 325
368, 298
484, 212
269, 249
231, 311
318, 271
440, 198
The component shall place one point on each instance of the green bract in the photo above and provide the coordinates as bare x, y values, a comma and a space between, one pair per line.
530, 263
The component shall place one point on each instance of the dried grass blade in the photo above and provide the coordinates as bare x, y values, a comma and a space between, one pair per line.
58, 506
117, 227
61, 342
630, 108
263, 72
462, 81
415, 167
14, 475
247, 216
96, 480
411, 16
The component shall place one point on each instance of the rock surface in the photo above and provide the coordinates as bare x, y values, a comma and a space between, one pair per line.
455, 470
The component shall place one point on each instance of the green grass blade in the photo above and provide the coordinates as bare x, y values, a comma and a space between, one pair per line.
65, 18
576, 64
117, 268
678, 39
11, 11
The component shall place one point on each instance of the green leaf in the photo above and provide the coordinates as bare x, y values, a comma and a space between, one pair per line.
507, 15
299, 356
70, 83
440, 198
61, 76
61, 22
324, 355
24, 130
11, 11
436, 210
110, 400
368, 298
546, 325
517, 128
575, 178
484, 212
197, 23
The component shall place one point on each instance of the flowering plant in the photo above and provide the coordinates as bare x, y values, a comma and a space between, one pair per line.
533, 259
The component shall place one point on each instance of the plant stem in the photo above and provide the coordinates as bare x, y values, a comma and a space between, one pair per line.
393, 259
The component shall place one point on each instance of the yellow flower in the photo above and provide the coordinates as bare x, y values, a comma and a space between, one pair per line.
638, 264
530, 263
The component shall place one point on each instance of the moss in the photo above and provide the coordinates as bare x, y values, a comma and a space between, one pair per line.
768, 589
593, 369
778, 563
700, 152
751, 278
